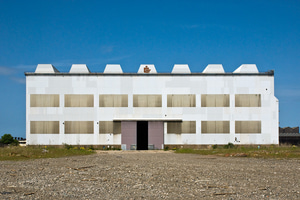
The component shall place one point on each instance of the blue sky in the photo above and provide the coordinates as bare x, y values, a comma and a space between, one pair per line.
163, 33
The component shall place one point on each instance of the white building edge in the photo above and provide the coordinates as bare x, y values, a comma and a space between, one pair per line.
149, 110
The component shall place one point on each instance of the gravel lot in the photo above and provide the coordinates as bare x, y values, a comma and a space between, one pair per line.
150, 175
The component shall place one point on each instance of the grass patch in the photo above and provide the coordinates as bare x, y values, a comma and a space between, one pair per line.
277, 152
25, 153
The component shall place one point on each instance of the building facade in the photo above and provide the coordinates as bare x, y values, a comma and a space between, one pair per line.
150, 110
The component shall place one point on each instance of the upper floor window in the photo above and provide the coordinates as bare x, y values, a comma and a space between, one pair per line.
215, 100
113, 100
44, 100
79, 100
247, 100
181, 100
147, 100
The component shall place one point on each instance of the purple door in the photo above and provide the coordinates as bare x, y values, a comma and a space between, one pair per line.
156, 134
128, 134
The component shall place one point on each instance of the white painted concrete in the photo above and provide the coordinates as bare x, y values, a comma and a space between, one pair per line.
181, 69
45, 68
214, 68
79, 68
163, 84
113, 69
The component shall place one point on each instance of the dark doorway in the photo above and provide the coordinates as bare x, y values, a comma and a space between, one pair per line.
142, 135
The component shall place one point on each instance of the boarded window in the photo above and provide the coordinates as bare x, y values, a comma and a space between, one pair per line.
44, 127
110, 100
44, 100
247, 126
181, 127
215, 127
109, 127
247, 100
79, 100
146, 100
79, 127
215, 100
181, 100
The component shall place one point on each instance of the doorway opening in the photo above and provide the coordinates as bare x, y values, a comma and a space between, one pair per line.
142, 135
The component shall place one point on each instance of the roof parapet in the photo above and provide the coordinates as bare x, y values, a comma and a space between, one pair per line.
247, 69
214, 69
79, 68
45, 69
181, 69
147, 69
113, 68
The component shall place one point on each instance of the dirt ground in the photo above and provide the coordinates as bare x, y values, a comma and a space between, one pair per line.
150, 175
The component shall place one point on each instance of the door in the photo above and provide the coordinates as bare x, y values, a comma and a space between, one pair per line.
142, 135
156, 134
128, 135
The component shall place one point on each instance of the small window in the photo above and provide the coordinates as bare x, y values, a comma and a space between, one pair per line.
110, 100
247, 100
109, 127
215, 100
79, 127
215, 127
181, 127
147, 101
44, 127
44, 100
247, 127
181, 100
79, 100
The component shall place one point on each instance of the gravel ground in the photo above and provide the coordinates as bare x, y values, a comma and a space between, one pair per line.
150, 175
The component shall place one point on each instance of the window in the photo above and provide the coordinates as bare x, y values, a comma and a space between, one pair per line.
44, 127
181, 100
44, 100
110, 100
247, 126
215, 127
181, 127
109, 127
146, 100
79, 127
247, 100
79, 100
215, 100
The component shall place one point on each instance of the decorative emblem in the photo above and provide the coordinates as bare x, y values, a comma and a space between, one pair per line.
146, 69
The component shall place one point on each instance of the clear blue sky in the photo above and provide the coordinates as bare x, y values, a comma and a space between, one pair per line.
163, 33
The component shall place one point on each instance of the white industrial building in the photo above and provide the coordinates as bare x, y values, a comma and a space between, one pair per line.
150, 110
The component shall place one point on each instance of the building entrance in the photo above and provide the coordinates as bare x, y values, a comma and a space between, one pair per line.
142, 135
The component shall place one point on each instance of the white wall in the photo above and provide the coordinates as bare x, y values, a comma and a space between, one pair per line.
154, 84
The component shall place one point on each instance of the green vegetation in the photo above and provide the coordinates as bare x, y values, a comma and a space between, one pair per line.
8, 139
28, 152
230, 150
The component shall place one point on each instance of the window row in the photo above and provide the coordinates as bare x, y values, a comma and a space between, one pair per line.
87, 127
173, 100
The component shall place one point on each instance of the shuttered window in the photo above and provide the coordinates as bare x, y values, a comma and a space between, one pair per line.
147, 101
215, 100
79, 127
215, 127
247, 126
44, 100
44, 127
109, 127
181, 100
247, 100
79, 100
181, 127
110, 100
